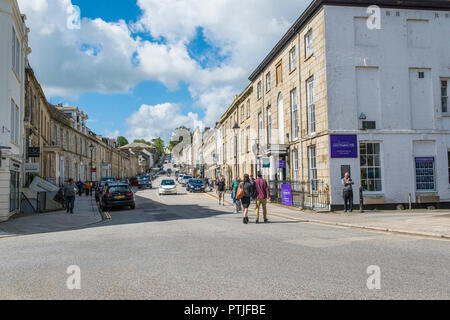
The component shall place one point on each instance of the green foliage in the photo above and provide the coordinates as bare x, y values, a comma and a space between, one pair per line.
142, 141
122, 141
159, 144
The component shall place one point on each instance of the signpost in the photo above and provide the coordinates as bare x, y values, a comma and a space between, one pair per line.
286, 195
31, 168
344, 146
282, 164
34, 152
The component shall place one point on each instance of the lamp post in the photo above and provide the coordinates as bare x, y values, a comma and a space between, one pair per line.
91, 147
288, 158
236, 129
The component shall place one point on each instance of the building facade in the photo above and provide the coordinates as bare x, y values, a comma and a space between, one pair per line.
13, 55
345, 92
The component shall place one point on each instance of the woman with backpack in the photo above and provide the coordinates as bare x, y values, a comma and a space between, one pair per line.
244, 193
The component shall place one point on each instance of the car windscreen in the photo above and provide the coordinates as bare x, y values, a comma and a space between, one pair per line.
195, 181
168, 183
119, 189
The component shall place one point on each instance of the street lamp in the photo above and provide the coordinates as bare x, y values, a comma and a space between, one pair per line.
236, 129
91, 147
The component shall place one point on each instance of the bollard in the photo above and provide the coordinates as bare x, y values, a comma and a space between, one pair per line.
361, 200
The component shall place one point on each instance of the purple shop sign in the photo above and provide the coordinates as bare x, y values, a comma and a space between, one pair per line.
344, 146
282, 164
286, 195
424, 159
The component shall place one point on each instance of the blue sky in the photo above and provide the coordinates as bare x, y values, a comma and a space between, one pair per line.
141, 68
108, 111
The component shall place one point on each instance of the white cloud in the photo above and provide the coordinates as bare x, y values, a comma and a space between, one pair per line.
106, 57
160, 120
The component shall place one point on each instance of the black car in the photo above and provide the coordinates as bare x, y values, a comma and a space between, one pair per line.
117, 195
195, 185
144, 183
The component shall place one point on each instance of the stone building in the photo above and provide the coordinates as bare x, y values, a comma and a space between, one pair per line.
337, 93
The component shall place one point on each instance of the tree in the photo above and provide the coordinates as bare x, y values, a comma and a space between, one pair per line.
142, 141
159, 144
122, 141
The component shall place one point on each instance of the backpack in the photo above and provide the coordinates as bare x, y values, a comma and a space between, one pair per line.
240, 192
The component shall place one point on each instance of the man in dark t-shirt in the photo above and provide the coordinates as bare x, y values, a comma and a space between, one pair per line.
221, 189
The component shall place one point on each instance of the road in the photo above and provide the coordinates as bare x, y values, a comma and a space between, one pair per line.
189, 247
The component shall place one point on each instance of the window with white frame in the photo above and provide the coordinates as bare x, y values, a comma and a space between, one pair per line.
292, 59
242, 141
448, 159
444, 95
425, 174
259, 90
311, 108
14, 122
16, 53
248, 108
312, 163
242, 113
295, 164
294, 110
269, 126
55, 135
308, 44
260, 128
248, 139
370, 164
268, 82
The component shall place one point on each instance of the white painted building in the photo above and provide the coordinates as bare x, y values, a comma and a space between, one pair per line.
13, 53
394, 80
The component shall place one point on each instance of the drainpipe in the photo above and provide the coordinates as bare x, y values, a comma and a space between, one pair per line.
300, 107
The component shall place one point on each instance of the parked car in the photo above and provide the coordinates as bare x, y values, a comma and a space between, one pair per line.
144, 183
180, 177
125, 181
117, 195
100, 187
134, 182
195, 185
168, 186
185, 180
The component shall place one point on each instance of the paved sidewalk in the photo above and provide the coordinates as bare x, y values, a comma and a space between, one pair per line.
85, 214
431, 223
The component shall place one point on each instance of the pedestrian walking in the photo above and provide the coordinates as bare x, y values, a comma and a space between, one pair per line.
221, 190
211, 182
206, 181
87, 188
247, 188
69, 192
262, 194
347, 193
80, 186
234, 188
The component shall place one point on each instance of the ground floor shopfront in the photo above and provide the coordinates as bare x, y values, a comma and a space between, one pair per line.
392, 168
10, 191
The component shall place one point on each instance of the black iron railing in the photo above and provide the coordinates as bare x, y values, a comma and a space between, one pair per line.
313, 195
